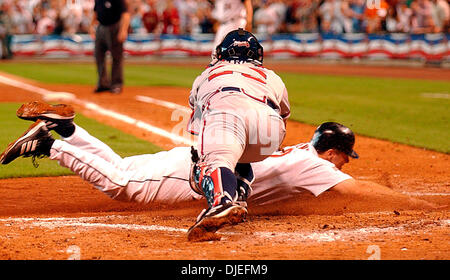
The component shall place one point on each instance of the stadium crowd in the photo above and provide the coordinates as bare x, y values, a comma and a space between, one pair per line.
46, 17
270, 16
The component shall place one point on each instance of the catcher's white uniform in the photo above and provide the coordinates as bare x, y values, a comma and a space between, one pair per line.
164, 176
239, 111
231, 14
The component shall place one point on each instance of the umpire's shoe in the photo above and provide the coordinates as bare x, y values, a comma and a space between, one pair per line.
57, 117
214, 218
35, 142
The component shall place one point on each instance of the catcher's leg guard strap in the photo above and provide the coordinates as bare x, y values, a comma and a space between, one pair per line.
219, 186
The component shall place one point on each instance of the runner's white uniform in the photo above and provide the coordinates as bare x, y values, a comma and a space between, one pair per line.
163, 177
289, 172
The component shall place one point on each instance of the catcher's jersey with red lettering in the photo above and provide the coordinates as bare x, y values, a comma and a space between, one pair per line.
287, 173
257, 83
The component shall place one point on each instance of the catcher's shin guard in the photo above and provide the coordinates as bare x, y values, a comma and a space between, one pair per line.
219, 186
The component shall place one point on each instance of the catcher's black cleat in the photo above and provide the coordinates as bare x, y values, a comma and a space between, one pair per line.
56, 117
243, 194
214, 218
35, 142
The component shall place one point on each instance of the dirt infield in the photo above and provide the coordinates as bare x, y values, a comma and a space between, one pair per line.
66, 218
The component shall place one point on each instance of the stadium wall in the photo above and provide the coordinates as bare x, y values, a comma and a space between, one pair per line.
386, 46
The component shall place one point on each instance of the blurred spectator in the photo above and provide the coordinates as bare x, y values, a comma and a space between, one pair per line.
53, 7
150, 17
204, 17
266, 19
391, 24
231, 15
440, 13
270, 16
6, 30
280, 8
71, 16
347, 16
21, 18
404, 14
375, 15
86, 19
357, 8
45, 24
187, 10
36, 14
59, 27
171, 19
136, 19
422, 20
306, 14
292, 23
333, 19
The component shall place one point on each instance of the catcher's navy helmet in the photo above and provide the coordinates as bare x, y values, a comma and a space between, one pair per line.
240, 45
332, 135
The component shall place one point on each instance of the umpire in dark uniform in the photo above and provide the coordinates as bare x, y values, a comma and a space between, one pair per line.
112, 19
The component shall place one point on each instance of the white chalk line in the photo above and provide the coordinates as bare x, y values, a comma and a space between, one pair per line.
353, 234
51, 95
436, 95
298, 236
163, 103
88, 222
425, 194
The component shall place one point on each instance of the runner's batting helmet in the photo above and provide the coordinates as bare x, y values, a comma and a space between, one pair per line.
240, 45
332, 135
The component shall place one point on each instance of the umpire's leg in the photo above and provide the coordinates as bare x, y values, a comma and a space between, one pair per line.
116, 49
101, 48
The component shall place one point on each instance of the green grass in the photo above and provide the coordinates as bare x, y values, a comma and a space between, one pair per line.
122, 143
85, 73
391, 109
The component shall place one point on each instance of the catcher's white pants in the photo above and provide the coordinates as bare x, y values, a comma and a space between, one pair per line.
143, 178
235, 128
